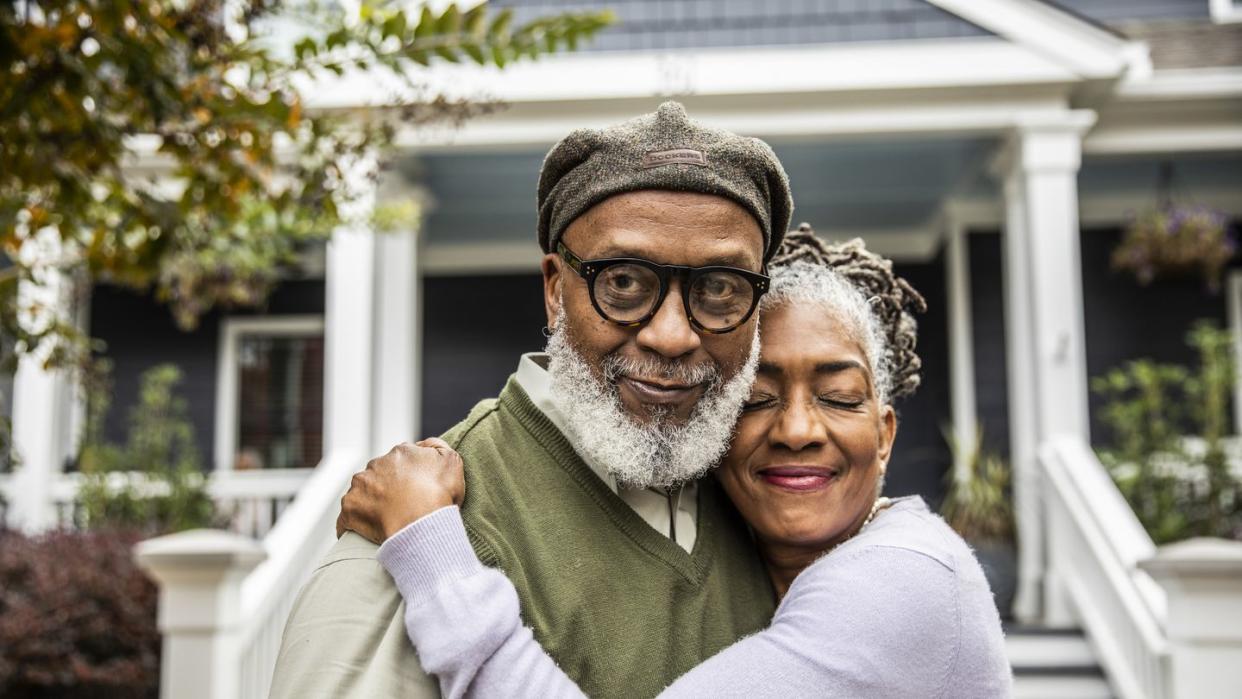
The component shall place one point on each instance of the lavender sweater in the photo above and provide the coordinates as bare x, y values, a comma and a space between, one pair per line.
900, 610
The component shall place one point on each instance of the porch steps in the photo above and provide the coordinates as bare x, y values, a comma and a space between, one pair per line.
1054, 664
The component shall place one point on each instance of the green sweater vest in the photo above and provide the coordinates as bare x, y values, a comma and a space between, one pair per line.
622, 609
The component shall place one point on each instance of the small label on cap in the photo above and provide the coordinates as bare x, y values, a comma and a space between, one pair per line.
682, 156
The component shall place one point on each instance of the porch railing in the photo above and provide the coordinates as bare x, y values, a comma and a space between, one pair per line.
252, 596
1094, 546
250, 501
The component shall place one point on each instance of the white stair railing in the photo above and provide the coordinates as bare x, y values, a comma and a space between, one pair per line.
251, 602
1094, 546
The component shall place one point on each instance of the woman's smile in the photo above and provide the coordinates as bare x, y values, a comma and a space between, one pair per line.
798, 478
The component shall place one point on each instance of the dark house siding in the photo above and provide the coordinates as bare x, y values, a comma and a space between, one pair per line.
474, 331
476, 328
1127, 321
646, 25
1124, 321
921, 457
987, 300
1113, 11
139, 333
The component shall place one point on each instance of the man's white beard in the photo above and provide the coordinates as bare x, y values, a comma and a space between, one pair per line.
658, 452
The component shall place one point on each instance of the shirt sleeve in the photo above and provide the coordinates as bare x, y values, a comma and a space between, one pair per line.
464, 618
344, 638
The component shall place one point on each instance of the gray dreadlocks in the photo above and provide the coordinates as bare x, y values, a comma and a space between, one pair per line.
892, 300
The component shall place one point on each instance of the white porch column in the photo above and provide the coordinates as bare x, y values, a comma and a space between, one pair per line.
1203, 581
961, 346
200, 573
349, 324
1044, 333
398, 293
42, 418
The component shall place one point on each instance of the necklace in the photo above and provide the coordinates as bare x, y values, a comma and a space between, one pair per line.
880, 504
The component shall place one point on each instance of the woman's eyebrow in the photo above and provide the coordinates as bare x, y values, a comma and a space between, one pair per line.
770, 369
833, 367
839, 366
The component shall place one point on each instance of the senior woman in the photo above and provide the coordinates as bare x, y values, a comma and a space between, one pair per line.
878, 597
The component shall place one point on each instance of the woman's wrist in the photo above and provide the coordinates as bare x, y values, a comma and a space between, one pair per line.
415, 509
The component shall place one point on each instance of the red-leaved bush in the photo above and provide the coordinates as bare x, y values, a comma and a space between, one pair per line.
77, 617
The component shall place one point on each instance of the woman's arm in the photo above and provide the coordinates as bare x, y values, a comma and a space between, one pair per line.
877, 622
464, 617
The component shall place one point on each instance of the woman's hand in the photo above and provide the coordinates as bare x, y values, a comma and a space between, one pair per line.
401, 486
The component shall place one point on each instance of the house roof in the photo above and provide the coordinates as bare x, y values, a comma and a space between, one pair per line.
1189, 44
683, 24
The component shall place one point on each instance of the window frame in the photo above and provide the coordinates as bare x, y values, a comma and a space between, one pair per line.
232, 330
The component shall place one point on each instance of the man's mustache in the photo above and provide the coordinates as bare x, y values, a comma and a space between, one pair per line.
652, 367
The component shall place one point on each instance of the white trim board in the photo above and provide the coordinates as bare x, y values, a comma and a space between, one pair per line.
782, 117
862, 66
1035, 42
1078, 45
1225, 11
231, 330
1093, 210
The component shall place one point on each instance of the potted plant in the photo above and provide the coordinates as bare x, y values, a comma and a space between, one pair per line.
978, 506
1173, 240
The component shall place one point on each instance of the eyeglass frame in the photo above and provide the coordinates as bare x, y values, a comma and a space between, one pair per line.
590, 269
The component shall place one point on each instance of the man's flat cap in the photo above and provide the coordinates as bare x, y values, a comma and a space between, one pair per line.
663, 150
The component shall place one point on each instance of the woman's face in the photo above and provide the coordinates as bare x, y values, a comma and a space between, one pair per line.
812, 441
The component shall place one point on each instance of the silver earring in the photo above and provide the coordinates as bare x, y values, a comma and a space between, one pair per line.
547, 332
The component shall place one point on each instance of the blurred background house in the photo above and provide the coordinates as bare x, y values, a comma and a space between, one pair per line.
996, 150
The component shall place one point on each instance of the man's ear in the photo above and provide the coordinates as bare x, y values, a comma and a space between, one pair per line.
552, 279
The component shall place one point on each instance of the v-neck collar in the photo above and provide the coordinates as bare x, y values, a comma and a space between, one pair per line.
693, 565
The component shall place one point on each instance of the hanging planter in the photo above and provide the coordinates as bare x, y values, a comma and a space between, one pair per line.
1174, 241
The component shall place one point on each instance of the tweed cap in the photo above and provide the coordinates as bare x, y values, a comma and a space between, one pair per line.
663, 150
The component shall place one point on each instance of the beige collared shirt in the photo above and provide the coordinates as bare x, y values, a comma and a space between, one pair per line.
661, 510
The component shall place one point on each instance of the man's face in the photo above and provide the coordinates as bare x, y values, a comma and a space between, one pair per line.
653, 365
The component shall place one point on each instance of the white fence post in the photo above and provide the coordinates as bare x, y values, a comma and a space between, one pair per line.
1203, 580
200, 573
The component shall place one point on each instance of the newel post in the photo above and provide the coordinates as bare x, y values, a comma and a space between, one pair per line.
1203, 581
199, 574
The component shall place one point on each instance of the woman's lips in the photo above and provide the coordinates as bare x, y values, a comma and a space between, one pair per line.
801, 478
658, 394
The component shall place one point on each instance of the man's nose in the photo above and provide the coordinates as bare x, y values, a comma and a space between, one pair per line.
669, 332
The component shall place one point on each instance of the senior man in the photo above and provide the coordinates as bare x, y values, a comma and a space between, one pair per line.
582, 476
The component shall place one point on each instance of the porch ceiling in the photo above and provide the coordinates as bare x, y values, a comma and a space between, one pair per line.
858, 187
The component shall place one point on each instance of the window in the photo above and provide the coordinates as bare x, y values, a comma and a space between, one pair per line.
269, 393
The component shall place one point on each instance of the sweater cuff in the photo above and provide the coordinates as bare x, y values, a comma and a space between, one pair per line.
428, 553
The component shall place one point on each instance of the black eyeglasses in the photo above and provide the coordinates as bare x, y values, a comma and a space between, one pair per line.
628, 291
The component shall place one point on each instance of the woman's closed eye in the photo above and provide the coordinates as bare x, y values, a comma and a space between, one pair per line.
843, 402
759, 401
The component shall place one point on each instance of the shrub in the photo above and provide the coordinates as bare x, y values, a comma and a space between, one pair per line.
978, 504
1168, 454
169, 493
77, 617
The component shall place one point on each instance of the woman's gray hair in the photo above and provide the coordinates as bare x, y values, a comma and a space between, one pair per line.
862, 290
804, 283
